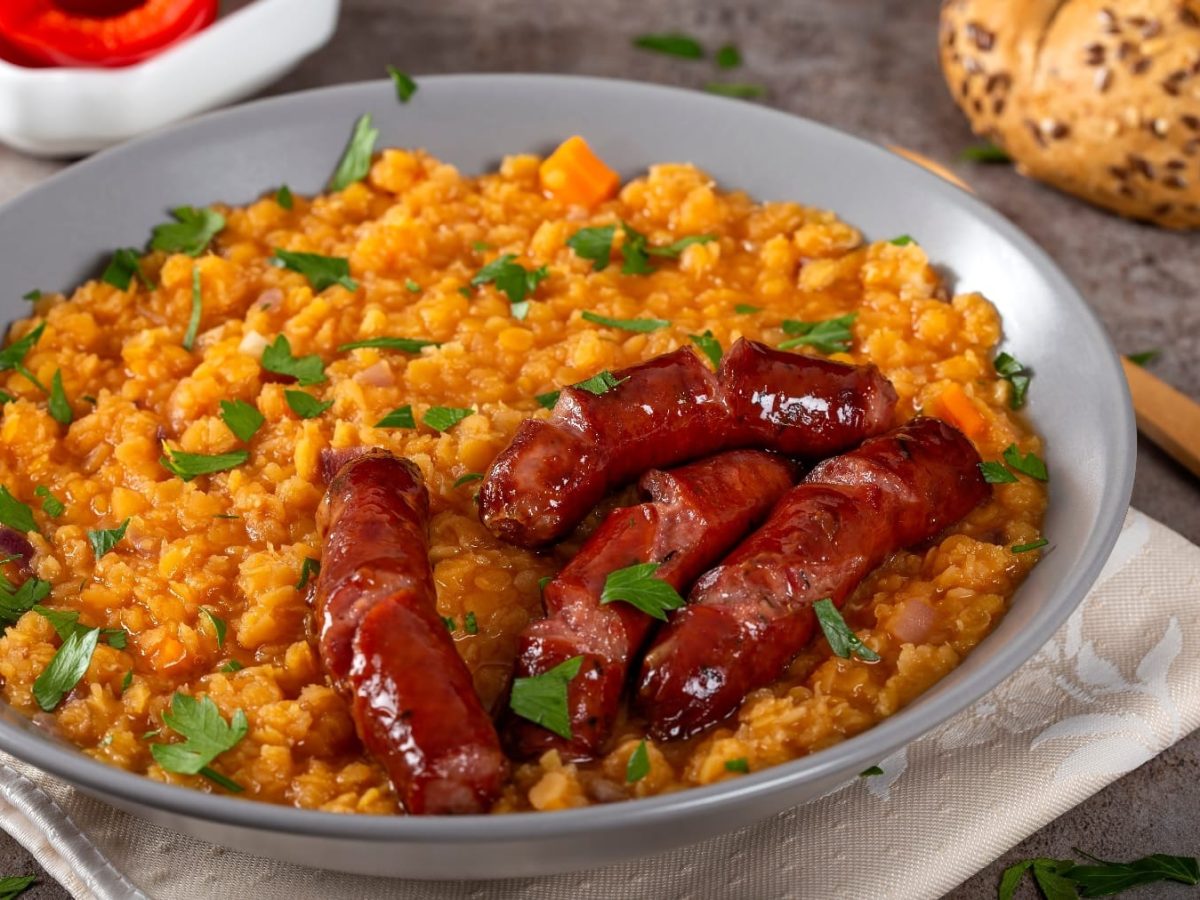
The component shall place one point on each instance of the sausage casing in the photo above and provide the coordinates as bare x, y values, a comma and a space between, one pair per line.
749, 616
387, 650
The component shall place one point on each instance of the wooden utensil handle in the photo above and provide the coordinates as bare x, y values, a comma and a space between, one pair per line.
1165, 416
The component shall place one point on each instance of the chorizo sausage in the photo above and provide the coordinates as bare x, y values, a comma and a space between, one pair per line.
388, 652
694, 514
669, 410
748, 617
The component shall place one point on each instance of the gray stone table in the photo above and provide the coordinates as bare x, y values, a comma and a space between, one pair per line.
868, 67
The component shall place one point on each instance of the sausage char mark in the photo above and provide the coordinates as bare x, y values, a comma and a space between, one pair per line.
386, 649
748, 617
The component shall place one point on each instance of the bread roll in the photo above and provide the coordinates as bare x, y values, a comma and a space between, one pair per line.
1100, 98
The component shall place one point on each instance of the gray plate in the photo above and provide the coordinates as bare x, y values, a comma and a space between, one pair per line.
57, 234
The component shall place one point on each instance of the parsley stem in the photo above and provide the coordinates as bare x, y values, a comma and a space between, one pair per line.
21, 370
228, 783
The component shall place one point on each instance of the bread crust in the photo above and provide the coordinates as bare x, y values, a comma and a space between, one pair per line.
1099, 98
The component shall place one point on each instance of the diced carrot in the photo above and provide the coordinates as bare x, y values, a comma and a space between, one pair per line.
957, 409
576, 175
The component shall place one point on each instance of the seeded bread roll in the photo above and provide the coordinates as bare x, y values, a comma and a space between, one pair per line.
1100, 98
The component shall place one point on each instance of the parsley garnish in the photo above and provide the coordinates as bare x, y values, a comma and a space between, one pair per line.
481, 246
640, 325
12, 356
842, 641
443, 418
309, 569
741, 91
709, 346
671, 44
746, 308
305, 405
542, 699
400, 417
638, 766
594, 245
636, 250
470, 624
66, 622
1030, 464
405, 86
637, 586
14, 604
14, 513
6, 397
826, 336
903, 241
467, 478
1015, 374
448, 621
867, 773
985, 153
103, 540
513, 279
547, 400
191, 233
121, 269
217, 623
356, 161
1144, 358
69, 664
206, 736
407, 345
32, 296
193, 328
231, 666
728, 57
1033, 545
995, 473
13, 886
127, 681
1061, 879
741, 764
241, 418
321, 271
277, 357
51, 505
284, 198
59, 405
543, 581
189, 465
411, 286
600, 383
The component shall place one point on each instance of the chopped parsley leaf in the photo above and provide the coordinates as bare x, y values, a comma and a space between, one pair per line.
217, 623
1032, 545
542, 699
594, 244
14, 604
190, 233
14, 513
637, 586
1060, 879
68, 665
547, 400
842, 640
65, 622
309, 569
321, 271
51, 505
636, 250
284, 197
470, 624
443, 418
640, 325
826, 336
1030, 464
105, 539
127, 681
13, 886
709, 346
6, 397
407, 345
741, 764
12, 356
867, 773
356, 161
1144, 358
902, 241
32, 296
193, 328
465, 290
405, 86
122, 268
740, 91
600, 383
241, 418
985, 153
449, 623
467, 478
746, 308
411, 286
638, 766
670, 44
728, 57
231, 666
1016, 375
59, 405
400, 417
206, 736
995, 473
277, 357
190, 465
543, 581
513, 279
481, 246
305, 405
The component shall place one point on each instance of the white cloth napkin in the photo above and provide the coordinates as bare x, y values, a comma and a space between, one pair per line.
1119, 683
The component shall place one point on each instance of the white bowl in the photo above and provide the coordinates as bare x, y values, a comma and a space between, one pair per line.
67, 112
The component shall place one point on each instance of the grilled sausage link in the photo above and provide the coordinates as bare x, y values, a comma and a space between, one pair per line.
694, 515
749, 616
669, 410
386, 649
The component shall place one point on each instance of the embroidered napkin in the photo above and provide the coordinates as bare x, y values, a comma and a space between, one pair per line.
1119, 683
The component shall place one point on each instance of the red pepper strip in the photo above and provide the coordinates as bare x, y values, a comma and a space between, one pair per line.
97, 32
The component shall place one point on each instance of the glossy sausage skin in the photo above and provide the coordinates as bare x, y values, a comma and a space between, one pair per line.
751, 615
669, 410
694, 515
387, 650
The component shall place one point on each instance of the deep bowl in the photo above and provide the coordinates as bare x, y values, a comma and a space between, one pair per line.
56, 235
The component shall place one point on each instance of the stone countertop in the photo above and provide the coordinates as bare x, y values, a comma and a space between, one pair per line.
870, 69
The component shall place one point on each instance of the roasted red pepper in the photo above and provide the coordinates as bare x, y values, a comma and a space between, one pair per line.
97, 32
